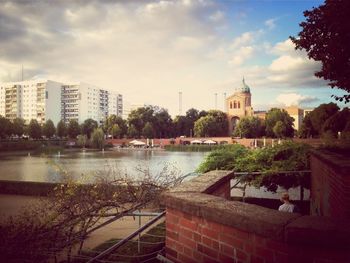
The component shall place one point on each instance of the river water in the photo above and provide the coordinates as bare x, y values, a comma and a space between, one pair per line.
88, 164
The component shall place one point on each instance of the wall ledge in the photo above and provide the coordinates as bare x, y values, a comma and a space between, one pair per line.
339, 162
193, 198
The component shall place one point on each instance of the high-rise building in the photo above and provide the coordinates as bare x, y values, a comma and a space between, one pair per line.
46, 99
81, 101
39, 100
297, 114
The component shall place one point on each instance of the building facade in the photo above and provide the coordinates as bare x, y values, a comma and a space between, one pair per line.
238, 105
39, 100
46, 99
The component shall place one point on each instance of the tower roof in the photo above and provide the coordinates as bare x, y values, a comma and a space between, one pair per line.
244, 88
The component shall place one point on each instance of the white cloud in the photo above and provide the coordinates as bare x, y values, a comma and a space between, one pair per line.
294, 99
241, 55
270, 23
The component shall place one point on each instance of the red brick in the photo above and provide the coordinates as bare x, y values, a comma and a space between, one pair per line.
281, 258
260, 241
187, 242
264, 253
172, 235
170, 252
170, 242
228, 250
206, 241
255, 259
215, 245
229, 240
171, 226
248, 248
171, 218
207, 251
277, 246
188, 251
186, 259
210, 233
215, 227
241, 255
197, 237
226, 259
206, 259
192, 225
185, 232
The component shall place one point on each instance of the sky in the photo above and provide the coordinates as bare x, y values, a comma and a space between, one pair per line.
149, 51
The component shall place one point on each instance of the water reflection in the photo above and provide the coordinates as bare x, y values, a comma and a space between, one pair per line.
44, 168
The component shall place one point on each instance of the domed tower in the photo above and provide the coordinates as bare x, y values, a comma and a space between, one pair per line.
238, 105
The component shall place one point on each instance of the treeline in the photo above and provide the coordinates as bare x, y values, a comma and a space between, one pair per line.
326, 121
277, 124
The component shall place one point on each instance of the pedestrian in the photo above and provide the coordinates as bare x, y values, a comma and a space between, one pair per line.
287, 206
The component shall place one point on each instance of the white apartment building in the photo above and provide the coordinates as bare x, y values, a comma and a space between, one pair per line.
37, 99
46, 99
81, 101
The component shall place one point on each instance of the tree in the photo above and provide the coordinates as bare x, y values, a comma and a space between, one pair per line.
139, 117
279, 129
162, 124
273, 116
148, 131
34, 129
116, 131
325, 37
213, 124
111, 121
88, 126
319, 116
306, 128
98, 138
5, 127
337, 122
18, 126
180, 126
49, 129
249, 127
73, 129
82, 140
132, 132
61, 129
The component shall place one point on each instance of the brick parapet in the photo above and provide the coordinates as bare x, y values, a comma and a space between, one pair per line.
202, 227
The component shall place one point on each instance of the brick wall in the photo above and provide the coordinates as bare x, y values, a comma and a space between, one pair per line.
202, 227
330, 185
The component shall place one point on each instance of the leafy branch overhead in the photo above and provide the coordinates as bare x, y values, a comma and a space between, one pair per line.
325, 36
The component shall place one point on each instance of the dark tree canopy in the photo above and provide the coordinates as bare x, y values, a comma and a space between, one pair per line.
325, 36
61, 129
49, 129
279, 121
88, 127
73, 129
34, 129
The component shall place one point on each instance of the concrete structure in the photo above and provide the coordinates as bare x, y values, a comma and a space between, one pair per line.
238, 105
297, 114
37, 99
81, 101
46, 99
204, 225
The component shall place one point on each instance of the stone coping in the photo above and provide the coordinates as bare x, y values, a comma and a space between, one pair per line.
194, 198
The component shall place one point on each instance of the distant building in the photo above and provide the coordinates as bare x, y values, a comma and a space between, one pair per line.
297, 114
261, 114
81, 101
238, 105
37, 99
47, 99
129, 107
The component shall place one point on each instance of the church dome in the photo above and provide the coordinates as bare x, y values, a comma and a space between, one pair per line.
244, 88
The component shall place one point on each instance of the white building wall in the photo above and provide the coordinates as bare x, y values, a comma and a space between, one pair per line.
2, 100
53, 101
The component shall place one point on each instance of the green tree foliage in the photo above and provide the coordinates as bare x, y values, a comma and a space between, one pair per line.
163, 124
61, 129
337, 122
5, 127
116, 131
88, 126
34, 129
49, 129
73, 129
148, 131
222, 159
270, 161
279, 129
82, 140
139, 117
249, 127
132, 132
306, 129
325, 37
98, 138
111, 121
181, 126
213, 124
18, 126
273, 116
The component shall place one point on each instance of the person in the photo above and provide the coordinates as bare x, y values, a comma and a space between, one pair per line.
287, 206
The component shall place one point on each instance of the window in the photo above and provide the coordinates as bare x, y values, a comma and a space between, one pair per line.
234, 104
239, 105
